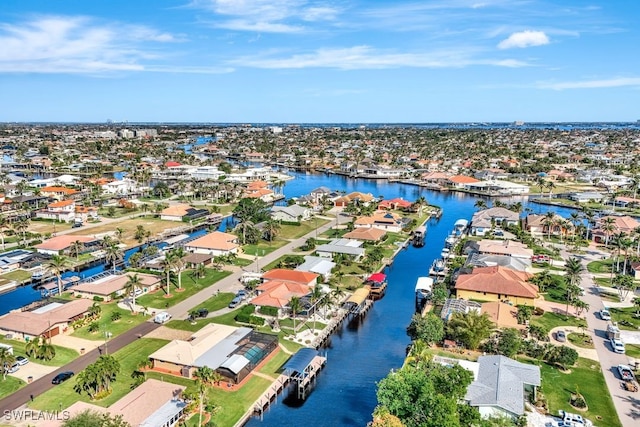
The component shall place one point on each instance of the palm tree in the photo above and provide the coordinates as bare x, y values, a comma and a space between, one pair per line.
57, 265
167, 267
46, 350
549, 221
419, 354
21, 226
204, 379
471, 328
608, 226
244, 227
112, 255
7, 360
133, 283
573, 269
178, 263
76, 248
480, 204
316, 296
119, 233
271, 229
580, 306
294, 305
3, 225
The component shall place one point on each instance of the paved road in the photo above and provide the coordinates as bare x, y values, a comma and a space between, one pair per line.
627, 404
43, 384
232, 283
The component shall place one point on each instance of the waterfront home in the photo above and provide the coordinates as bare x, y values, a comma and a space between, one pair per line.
347, 247
509, 248
216, 243
626, 202
476, 259
62, 210
232, 352
114, 285
293, 213
265, 194
502, 386
58, 193
498, 187
560, 175
48, 320
278, 294
355, 197
317, 265
295, 276
182, 212
12, 260
383, 220
497, 284
619, 224
541, 225
62, 244
460, 181
484, 220
122, 187
397, 203
152, 403
502, 315
587, 197
366, 234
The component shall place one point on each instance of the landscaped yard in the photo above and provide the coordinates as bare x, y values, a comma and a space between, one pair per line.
17, 275
190, 284
581, 340
626, 317
155, 226
557, 387
129, 358
127, 321
64, 355
551, 320
603, 266
294, 231
9, 385
263, 247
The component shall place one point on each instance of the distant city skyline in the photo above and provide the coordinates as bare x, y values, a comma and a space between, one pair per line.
338, 61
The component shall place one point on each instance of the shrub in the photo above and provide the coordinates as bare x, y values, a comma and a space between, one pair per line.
115, 316
268, 311
93, 327
96, 298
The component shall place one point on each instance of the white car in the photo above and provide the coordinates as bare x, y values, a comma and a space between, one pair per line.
617, 345
604, 314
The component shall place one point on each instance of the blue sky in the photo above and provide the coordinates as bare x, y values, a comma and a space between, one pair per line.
299, 61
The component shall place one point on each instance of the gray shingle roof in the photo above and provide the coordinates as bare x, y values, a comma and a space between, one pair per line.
501, 383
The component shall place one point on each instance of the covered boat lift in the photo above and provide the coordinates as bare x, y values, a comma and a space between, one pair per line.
302, 368
358, 303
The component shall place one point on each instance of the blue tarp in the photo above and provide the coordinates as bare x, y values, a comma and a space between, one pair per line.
300, 360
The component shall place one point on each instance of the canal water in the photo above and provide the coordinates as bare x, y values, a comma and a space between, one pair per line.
363, 352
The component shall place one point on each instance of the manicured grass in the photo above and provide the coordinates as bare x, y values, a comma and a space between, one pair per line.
603, 266
242, 262
632, 350
127, 321
580, 340
288, 323
10, 385
551, 320
216, 302
17, 275
626, 317
129, 358
273, 366
305, 227
556, 292
557, 387
263, 247
233, 404
64, 355
190, 285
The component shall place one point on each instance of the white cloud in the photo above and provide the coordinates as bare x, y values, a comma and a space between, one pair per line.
524, 39
59, 44
365, 57
592, 84
272, 16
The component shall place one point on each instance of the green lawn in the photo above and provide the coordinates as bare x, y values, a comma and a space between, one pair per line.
17, 275
263, 247
603, 266
64, 355
557, 387
632, 350
273, 366
10, 385
216, 302
626, 317
557, 291
305, 227
126, 322
233, 404
190, 285
129, 358
551, 320
580, 340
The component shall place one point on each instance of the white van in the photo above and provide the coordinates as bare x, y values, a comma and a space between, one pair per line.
162, 317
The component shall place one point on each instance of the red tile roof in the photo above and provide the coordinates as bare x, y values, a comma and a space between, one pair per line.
498, 280
282, 274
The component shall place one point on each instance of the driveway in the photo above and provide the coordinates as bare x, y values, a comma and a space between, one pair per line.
34, 370
75, 343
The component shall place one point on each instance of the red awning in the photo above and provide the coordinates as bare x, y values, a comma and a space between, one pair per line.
377, 278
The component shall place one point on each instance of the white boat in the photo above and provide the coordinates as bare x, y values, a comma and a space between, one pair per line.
460, 226
38, 273
446, 253
424, 286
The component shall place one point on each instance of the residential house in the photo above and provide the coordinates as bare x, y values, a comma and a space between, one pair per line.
476, 259
398, 204
182, 212
348, 247
216, 243
620, 224
497, 284
502, 386
317, 265
502, 315
122, 187
112, 286
509, 248
498, 187
265, 194
285, 275
153, 403
463, 306
484, 220
61, 244
49, 320
293, 213
12, 260
57, 192
460, 181
355, 197
278, 294
63, 210
366, 234
230, 351
541, 225
587, 197
384, 220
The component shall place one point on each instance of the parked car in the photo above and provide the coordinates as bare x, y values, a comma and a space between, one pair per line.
561, 335
162, 317
21, 360
137, 292
604, 314
61, 377
203, 312
76, 225
242, 294
617, 345
235, 302
625, 372
12, 369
